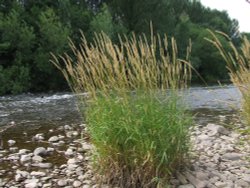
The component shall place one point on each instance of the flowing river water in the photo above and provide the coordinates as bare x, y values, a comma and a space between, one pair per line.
33, 113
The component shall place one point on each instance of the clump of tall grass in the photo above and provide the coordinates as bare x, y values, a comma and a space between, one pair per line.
136, 122
238, 64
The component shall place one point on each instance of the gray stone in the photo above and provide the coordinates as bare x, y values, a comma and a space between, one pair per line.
77, 183
41, 151
31, 185
19, 177
11, 142
86, 146
67, 127
72, 167
47, 185
69, 152
202, 175
204, 137
54, 139
220, 184
38, 137
186, 186
62, 183
232, 156
43, 165
181, 178
25, 158
22, 173
72, 161
196, 182
241, 183
39, 174
13, 149
217, 129
246, 178
37, 158
13, 157
50, 150
23, 151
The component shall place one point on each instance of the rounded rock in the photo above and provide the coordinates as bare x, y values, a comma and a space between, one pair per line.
11, 142
41, 151
62, 183
54, 139
77, 183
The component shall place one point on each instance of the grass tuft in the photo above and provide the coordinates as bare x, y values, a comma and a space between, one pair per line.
238, 64
136, 123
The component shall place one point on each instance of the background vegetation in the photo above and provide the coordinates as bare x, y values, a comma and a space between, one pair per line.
31, 29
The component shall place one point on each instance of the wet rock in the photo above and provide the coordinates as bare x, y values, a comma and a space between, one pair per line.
77, 183
241, 183
37, 158
50, 150
202, 176
21, 175
47, 185
11, 142
86, 146
232, 156
62, 183
196, 182
23, 151
41, 151
13, 149
217, 129
39, 174
220, 184
31, 185
13, 157
54, 139
246, 178
69, 152
182, 178
43, 165
25, 158
38, 137
72, 161
67, 127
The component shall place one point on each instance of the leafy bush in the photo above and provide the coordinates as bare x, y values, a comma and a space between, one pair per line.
140, 134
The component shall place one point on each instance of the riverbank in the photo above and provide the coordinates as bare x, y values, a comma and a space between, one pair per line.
59, 158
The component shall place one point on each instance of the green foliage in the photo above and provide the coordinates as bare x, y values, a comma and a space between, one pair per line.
141, 139
30, 30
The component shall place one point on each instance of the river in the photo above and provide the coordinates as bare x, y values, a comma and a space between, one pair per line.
30, 111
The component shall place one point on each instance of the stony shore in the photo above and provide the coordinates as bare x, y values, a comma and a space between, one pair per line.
220, 160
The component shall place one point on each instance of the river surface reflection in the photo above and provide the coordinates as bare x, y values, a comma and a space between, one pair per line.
59, 109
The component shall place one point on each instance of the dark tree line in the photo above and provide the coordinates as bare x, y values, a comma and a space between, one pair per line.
31, 29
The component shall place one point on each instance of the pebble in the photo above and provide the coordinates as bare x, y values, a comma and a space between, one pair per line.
25, 158
41, 151
218, 162
77, 184
31, 185
232, 156
43, 165
54, 139
11, 142
37, 158
62, 183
